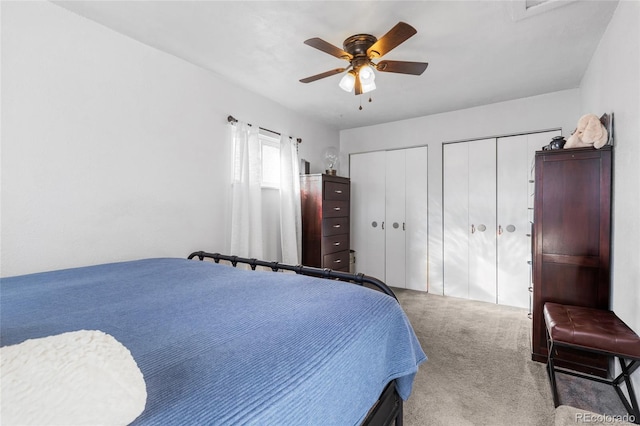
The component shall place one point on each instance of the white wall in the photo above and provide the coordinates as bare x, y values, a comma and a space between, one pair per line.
557, 110
112, 150
612, 83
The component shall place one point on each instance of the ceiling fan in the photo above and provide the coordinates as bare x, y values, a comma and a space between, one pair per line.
360, 50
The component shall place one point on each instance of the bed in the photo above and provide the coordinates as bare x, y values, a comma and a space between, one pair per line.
219, 345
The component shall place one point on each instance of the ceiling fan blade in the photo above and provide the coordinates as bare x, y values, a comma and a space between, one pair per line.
329, 48
403, 67
322, 75
358, 85
396, 35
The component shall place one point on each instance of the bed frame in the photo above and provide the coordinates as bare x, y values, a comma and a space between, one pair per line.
360, 279
388, 409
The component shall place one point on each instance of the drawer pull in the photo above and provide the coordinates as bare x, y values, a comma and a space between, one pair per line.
337, 261
336, 244
336, 226
338, 191
337, 209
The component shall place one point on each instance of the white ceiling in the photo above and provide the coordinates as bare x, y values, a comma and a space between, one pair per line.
479, 52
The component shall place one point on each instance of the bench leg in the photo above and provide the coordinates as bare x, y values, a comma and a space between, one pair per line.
625, 375
552, 371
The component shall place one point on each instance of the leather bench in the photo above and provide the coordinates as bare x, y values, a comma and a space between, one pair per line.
598, 331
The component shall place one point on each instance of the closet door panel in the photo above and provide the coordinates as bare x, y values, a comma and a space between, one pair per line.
482, 220
514, 244
395, 267
516, 155
455, 158
416, 218
535, 142
367, 212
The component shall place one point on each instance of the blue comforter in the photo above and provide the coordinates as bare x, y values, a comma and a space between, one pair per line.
223, 346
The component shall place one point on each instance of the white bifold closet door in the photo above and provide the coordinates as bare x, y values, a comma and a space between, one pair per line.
486, 214
516, 155
417, 218
469, 220
395, 225
389, 216
367, 174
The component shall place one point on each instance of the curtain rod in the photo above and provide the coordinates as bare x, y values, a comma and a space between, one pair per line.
232, 119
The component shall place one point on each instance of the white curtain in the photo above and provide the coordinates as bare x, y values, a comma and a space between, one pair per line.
246, 196
246, 234
290, 215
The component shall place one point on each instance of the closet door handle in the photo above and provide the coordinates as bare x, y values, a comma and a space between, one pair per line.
473, 228
383, 224
500, 230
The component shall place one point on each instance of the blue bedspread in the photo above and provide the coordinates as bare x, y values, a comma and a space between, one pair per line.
223, 346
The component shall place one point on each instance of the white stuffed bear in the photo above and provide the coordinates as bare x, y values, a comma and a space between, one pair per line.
590, 132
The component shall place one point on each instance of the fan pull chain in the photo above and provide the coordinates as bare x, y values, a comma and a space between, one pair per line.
360, 108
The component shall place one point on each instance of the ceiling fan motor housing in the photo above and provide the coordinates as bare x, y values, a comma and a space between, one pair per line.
357, 45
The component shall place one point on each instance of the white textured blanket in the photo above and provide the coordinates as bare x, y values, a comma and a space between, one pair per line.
77, 378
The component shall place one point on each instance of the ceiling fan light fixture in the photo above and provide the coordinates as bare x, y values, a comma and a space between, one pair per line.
368, 87
348, 82
366, 75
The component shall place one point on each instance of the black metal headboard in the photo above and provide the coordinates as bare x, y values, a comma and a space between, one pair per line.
360, 278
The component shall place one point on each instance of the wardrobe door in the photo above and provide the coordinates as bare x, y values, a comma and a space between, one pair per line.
416, 218
482, 220
455, 166
367, 172
395, 267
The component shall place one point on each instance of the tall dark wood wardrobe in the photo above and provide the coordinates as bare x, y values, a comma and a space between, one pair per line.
571, 241
325, 221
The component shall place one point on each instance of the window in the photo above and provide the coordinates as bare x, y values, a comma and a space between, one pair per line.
270, 151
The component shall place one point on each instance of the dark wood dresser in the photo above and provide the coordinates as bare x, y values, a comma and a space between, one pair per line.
571, 246
325, 221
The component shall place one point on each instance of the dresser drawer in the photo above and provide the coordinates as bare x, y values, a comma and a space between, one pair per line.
335, 243
335, 226
339, 260
335, 191
332, 208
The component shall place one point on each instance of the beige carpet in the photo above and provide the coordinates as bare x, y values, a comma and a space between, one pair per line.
480, 371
